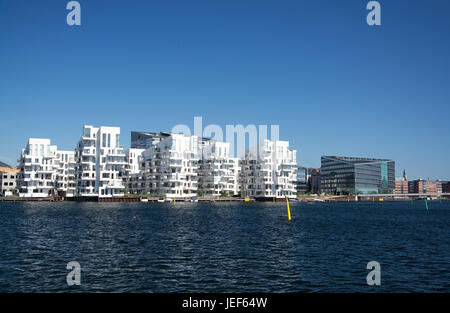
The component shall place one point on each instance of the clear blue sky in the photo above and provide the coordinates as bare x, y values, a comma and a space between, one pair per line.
334, 85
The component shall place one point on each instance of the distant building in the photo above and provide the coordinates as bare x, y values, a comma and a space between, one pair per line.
308, 180
314, 180
301, 183
423, 186
8, 181
145, 140
445, 186
350, 175
401, 184
4, 165
439, 186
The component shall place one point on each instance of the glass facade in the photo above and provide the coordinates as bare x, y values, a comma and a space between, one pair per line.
301, 183
145, 140
347, 175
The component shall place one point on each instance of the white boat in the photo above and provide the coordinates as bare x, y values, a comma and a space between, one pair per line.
160, 200
144, 200
194, 199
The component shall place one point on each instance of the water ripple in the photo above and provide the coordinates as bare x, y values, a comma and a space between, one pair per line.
224, 247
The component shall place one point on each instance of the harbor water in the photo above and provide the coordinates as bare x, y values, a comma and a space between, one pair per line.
225, 247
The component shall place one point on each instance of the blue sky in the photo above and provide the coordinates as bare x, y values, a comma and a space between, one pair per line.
334, 85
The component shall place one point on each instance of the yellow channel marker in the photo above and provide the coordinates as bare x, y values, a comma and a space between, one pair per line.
289, 211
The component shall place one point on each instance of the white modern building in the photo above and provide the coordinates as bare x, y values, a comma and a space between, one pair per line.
46, 171
181, 166
37, 176
132, 174
169, 167
218, 172
100, 161
65, 173
133, 158
269, 171
135, 184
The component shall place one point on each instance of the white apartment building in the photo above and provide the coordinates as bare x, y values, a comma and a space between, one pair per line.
133, 178
65, 173
100, 161
45, 170
133, 158
269, 171
169, 167
37, 176
218, 172
135, 184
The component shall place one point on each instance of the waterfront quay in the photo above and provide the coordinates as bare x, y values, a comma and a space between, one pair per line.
350, 198
380, 197
119, 199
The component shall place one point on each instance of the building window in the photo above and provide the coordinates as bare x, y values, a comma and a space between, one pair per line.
87, 132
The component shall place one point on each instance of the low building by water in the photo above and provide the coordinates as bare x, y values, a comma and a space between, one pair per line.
425, 186
8, 181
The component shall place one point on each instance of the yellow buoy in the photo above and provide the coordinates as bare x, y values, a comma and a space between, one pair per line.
289, 211
247, 199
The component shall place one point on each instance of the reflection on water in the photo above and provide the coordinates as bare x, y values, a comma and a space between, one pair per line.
215, 247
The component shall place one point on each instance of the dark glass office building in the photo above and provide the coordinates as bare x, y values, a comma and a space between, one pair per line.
301, 183
144, 140
348, 175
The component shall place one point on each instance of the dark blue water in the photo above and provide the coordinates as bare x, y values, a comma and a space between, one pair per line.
224, 247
